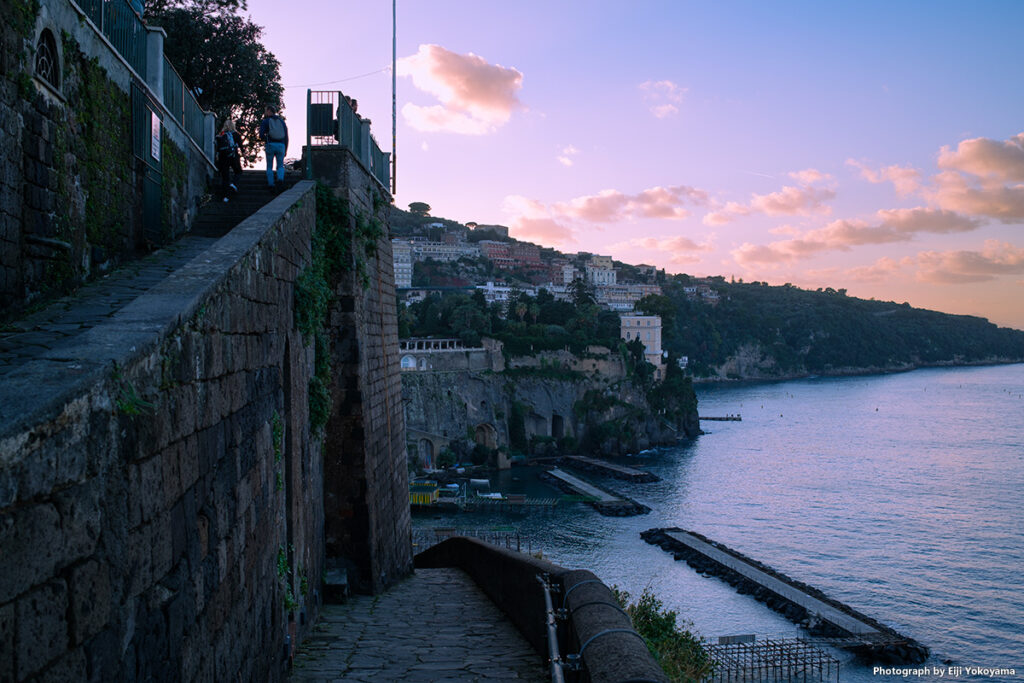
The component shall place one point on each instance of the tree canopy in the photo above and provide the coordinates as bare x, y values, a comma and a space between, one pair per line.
419, 208
220, 55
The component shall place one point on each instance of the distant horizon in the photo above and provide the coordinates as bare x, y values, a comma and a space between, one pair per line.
876, 147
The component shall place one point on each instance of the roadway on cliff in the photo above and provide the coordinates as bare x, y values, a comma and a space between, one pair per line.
435, 626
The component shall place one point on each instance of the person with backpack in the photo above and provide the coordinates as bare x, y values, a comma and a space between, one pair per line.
274, 133
229, 157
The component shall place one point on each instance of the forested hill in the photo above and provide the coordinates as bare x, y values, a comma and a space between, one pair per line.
756, 330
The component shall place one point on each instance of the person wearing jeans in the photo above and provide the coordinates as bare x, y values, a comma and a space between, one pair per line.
274, 133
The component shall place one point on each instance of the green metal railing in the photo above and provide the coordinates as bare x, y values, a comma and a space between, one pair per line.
122, 26
331, 122
183, 106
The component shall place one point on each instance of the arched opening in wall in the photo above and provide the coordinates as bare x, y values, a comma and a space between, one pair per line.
408, 363
426, 453
47, 66
423, 363
557, 426
486, 435
536, 425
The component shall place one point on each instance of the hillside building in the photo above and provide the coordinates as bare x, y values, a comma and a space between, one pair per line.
402, 256
646, 328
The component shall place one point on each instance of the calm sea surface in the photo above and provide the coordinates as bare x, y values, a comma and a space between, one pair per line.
900, 495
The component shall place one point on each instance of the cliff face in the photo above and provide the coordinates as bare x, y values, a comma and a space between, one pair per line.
517, 412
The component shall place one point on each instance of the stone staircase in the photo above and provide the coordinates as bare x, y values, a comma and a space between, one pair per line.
218, 217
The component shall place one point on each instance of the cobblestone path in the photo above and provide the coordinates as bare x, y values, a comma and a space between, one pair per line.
435, 627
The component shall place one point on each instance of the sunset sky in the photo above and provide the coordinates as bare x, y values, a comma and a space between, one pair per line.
876, 146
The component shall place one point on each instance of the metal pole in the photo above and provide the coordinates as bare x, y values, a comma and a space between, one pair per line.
394, 107
309, 146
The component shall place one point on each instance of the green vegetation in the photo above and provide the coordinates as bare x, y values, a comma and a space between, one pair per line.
525, 324
128, 400
675, 647
200, 33
820, 332
338, 231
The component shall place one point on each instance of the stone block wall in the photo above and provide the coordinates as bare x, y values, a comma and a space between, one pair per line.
161, 492
71, 188
366, 491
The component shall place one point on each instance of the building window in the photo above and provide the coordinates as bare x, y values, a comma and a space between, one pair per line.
47, 59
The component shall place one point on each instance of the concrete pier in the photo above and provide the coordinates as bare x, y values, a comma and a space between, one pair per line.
828, 619
602, 500
608, 468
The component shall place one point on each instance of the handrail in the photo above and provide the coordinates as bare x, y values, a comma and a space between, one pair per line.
332, 122
557, 675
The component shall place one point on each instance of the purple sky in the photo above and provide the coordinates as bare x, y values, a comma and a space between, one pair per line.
875, 146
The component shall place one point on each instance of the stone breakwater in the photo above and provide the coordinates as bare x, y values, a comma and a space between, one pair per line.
615, 505
886, 645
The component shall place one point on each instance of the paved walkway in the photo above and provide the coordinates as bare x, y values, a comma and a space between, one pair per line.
38, 334
434, 627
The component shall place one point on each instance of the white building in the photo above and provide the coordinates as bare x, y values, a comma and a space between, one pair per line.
499, 292
646, 328
599, 276
442, 251
401, 251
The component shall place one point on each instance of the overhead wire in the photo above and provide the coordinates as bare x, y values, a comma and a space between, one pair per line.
341, 80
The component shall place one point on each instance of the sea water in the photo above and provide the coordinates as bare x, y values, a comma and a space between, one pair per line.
900, 495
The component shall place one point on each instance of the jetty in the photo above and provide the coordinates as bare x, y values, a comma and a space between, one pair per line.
604, 501
723, 418
829, 620
610, 469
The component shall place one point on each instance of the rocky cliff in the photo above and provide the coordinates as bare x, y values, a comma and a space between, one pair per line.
541, 411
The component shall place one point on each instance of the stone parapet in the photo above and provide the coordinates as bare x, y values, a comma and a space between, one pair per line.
160, 490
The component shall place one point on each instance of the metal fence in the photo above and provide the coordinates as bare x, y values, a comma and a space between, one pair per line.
503, 537
331, 122
183, 106
122, 26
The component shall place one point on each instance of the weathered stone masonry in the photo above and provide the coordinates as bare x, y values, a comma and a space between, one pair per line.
71, 182
368, 524
160, 490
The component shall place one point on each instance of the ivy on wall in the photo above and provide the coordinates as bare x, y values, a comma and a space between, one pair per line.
175, 176
343, 241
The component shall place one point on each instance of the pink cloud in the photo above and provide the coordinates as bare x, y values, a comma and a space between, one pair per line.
476, 97
788, 201
993, 199
662, 97
533, 221
681, 250
609, 206
566, 157
893, 225
999, 159
879, 271
809, 176
957, 267
905, 179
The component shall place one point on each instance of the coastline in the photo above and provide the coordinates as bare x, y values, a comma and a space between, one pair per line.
852, 372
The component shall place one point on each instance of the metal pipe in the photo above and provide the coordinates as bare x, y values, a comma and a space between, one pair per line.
556, 661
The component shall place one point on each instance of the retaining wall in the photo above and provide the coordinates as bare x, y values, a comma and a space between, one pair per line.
150, 474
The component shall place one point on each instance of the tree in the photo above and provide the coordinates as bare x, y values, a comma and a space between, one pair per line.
158, 7
581, 293
221, 56
419, 208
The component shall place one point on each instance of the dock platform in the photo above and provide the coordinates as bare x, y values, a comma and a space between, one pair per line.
608, 468
829, 619
723, 418
602, 500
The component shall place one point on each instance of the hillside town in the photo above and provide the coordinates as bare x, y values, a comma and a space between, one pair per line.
443, 257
